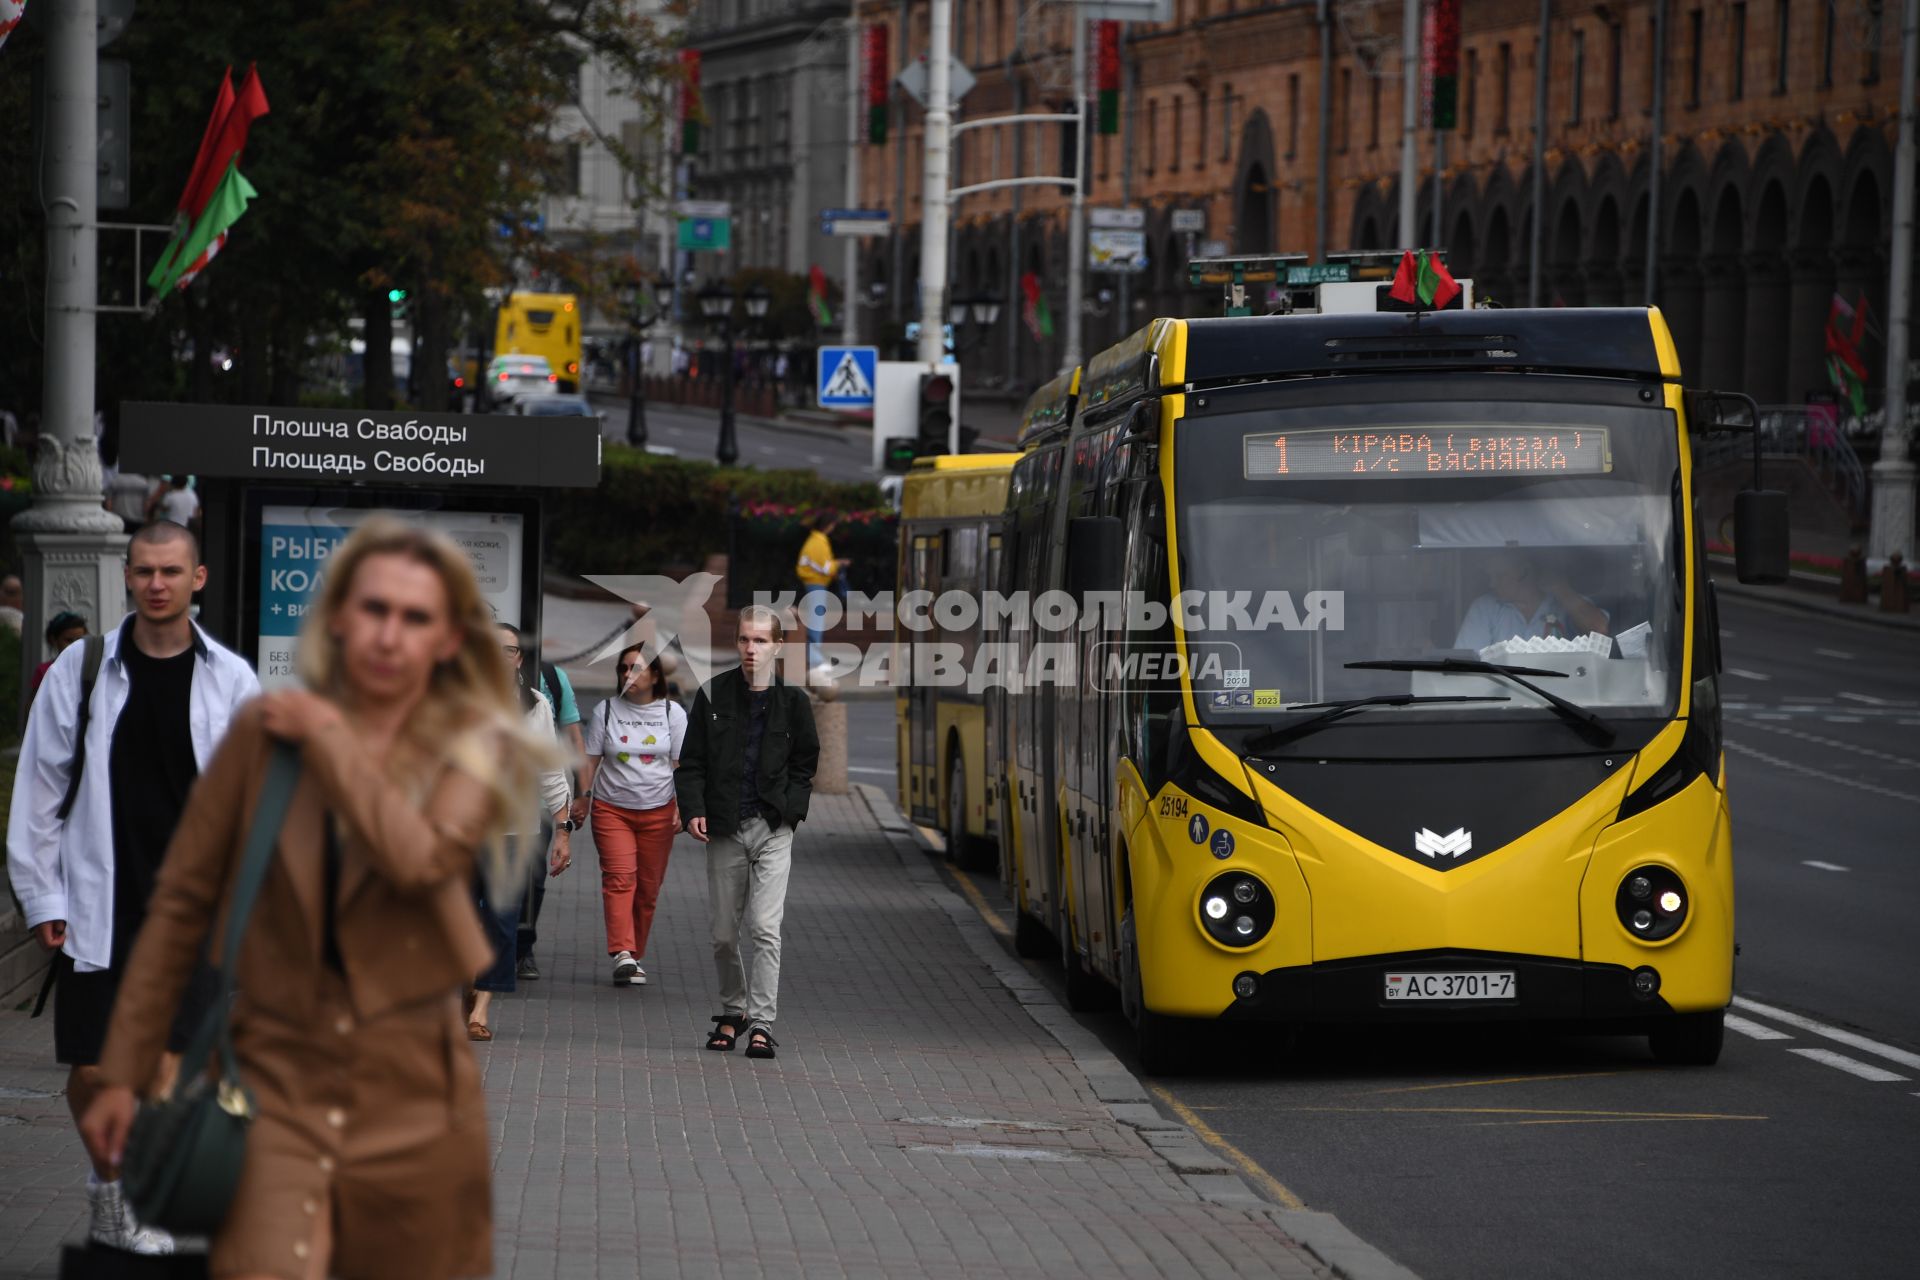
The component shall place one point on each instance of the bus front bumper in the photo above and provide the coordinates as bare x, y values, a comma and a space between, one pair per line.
1544, 989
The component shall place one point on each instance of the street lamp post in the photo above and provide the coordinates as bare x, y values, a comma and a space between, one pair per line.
716, 304
634, 296
982, 309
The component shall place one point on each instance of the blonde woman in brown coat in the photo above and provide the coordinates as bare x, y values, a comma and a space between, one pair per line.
368, 1155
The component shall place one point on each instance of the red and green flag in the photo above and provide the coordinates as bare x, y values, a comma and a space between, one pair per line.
1423, 281
1107, 74
11, 11
1034, 309
1846, 369
817, 297
216, 194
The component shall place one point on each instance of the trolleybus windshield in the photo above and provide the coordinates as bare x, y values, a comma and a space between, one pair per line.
1541, 535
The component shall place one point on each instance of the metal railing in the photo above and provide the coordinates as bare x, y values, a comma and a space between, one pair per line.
1819, 438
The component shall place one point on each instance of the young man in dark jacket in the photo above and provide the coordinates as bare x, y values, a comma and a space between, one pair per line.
745, 777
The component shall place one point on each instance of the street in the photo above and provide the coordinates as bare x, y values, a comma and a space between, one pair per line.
835, 453
1513, 1153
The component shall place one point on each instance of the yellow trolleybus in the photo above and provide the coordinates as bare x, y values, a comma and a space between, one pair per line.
542, 324
950, 541
1410, 711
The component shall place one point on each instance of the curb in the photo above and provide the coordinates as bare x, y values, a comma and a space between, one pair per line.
1803, 602
1211, 1177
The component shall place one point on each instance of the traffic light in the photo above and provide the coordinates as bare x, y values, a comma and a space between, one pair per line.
936, 413
396, 295
898, 454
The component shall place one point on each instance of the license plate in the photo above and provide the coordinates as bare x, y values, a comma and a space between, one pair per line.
1450, 986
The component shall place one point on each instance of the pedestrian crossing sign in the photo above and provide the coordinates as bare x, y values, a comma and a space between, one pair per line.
846, 377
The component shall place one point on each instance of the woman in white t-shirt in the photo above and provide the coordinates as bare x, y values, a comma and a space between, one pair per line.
633, 746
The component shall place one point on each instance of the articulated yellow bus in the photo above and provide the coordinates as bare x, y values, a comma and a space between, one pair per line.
950, 541
1409, 711
542, 324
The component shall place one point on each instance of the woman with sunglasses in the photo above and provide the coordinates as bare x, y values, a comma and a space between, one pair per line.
633, 747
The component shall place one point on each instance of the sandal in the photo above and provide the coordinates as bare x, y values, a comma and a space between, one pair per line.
760, 1041
479, 1031
722, 1041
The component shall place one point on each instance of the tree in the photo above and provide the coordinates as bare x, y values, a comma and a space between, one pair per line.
401, 140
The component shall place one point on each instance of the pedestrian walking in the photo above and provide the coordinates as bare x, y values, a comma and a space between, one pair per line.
176, 502
557, 689
123, 725
634, 740
745, 779
367, 1153
554, 838
63, 629
817, 569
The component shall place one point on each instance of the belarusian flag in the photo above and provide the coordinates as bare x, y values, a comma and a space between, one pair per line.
220, 147
1845, 367
209, 233
1424, 282
817, 297
10, 13
1035, 312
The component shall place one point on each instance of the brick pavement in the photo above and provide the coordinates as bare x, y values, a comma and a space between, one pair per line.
918, 1121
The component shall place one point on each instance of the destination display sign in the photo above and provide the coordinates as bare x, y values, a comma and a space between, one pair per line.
1414, 450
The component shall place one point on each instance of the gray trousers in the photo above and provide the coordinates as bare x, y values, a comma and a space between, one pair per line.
747, 884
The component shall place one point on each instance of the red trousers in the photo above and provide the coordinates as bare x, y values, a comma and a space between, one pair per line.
633, 845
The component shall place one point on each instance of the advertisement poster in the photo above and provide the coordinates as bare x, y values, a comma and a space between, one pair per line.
297, 542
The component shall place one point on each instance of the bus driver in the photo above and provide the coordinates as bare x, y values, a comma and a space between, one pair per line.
1523, 601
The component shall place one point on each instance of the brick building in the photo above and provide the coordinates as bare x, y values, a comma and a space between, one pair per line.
1776, 188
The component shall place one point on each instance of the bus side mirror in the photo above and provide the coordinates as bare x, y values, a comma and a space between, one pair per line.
1096, 550
1760, 535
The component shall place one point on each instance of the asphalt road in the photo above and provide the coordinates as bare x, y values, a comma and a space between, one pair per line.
1515, 1153
836, 453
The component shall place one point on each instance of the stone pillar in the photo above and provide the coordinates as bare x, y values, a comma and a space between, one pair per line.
73, 550
1769, 295
1723, 324
1810, 295
830, 722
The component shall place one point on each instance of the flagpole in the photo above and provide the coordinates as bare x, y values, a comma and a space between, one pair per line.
1893, 473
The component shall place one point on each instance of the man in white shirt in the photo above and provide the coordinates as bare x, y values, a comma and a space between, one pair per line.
1524, 602
176, 502
99, 791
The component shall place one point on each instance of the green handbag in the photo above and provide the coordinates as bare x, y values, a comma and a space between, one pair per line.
186, 1150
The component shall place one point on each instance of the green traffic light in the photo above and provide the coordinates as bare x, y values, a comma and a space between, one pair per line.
396, 295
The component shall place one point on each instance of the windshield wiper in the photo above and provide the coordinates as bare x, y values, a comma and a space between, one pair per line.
1590, 726
1331, 711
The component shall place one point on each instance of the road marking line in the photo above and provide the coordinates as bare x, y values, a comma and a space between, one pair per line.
864, 768
1835, 778
1852, 1066
1238, 1158
1841, 719
1474, 1084
972, 893
1848, 1038
1861, 697
1841, 654
1803, 736
1744, 674
1567, 1112
1753, 1029
1818, 865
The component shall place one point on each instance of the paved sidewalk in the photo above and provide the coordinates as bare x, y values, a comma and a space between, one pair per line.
919, 1121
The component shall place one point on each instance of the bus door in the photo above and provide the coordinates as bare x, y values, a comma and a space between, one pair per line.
1098, 687
1040, 863
994, 697
923, 786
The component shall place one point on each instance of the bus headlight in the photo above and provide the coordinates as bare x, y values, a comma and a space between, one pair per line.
1652, 903
1236, 909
